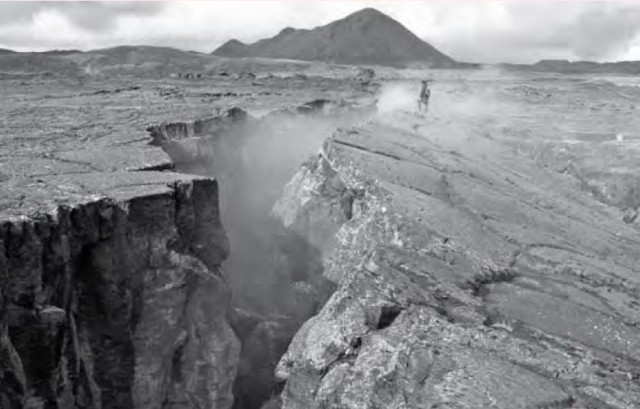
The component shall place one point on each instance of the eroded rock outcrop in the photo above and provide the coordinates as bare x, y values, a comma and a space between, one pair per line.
115, 299
182, 140
466, 277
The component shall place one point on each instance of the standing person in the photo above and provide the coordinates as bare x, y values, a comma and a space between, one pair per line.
425, 94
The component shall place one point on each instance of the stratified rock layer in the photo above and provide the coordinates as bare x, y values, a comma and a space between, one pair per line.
468, 277
114, 300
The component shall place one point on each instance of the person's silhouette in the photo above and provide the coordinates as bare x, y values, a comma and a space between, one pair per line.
425, 94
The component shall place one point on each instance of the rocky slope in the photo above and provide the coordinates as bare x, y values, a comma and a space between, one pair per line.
364, 37
467, 277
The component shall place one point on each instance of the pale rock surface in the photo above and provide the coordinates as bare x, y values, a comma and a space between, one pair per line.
468, 277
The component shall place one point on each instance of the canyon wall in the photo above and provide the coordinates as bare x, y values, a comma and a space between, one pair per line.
116, 300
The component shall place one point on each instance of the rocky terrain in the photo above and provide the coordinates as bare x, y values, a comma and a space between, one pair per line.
112, 294
218, 232
467, 277
580, 67
114, 289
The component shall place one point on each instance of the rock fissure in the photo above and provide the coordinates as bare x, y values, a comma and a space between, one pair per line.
264, 330
416, 261
86, 252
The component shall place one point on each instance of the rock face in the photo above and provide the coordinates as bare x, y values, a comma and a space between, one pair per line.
118, 302
468, 277
112, 294
365, 37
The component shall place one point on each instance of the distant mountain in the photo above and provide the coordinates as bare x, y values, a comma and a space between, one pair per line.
131, 60
364, 37
159, 60
131, 54
6, 51
579, 67
232, 48
37, 63
60, 52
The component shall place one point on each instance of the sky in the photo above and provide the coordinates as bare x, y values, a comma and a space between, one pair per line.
483, 31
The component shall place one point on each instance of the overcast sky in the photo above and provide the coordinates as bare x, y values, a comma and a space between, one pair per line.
478, 31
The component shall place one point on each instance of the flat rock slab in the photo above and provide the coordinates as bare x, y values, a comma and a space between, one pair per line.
468, 277
55, 128
24, 198
113, 158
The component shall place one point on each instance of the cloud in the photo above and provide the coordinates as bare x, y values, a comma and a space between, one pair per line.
487, 31
70, 24
604, 31
530, 31
95, 15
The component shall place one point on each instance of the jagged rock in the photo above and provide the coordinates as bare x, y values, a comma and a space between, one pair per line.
14, 382
273, 403
169, 132
261, 351
236, 114
118, 303
458, 286
182, 141
431, 250
315, 220
314, 107
630, 215
78, 173
247, 76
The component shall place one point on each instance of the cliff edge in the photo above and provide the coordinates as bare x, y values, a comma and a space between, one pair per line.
467, 277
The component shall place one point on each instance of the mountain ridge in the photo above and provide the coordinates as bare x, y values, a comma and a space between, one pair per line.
577, 67
367, 36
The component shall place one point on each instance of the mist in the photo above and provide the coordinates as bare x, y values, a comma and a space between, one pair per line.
450, 99
268, 266
252, 162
